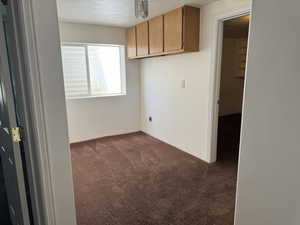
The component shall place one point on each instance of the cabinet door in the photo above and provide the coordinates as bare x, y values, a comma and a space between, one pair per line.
142, 38
156, 35
131, 42
173, 30
191, 28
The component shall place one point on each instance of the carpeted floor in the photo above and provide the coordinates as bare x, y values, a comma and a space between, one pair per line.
135, 179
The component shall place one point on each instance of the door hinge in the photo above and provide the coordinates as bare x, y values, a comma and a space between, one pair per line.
16, 134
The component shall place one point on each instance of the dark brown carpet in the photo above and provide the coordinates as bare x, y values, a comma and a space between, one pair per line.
135, 179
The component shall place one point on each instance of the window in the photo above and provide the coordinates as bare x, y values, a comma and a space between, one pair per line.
93, 70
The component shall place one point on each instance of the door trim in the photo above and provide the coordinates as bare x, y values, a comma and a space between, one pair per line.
36, 136
215, 80
44, 93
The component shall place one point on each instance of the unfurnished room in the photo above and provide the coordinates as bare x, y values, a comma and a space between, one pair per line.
147, 112
135, 94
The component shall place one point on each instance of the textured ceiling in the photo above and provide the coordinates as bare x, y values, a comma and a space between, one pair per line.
114, 12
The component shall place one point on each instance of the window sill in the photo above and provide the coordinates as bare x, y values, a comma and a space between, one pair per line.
96, 96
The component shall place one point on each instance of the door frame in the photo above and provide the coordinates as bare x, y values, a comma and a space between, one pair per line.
215, 80
36, 22
36, 162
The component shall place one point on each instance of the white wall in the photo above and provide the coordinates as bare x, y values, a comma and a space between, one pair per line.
181, 116
268, 181
98, 117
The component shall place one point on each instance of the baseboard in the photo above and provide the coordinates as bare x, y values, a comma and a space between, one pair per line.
165, 142
107, 136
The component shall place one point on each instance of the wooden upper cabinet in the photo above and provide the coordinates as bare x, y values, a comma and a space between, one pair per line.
142, 39
131, 42
156, 35
173, 28
175, 32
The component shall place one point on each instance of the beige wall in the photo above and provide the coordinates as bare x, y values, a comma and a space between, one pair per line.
181, 117
103, 116
232, 86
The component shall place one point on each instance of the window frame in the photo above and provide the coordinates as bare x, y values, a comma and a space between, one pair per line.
122, 69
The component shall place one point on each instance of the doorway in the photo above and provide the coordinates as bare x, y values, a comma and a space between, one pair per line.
233, 67
229, 80
235, 26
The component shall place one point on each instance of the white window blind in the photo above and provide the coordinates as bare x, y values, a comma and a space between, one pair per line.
75, 71
93, 70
